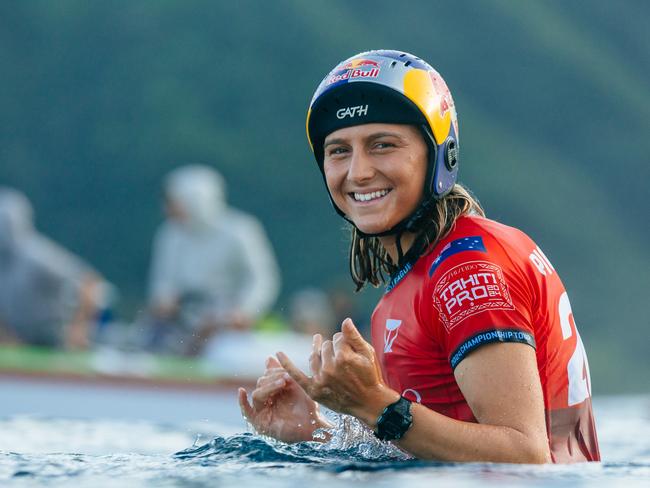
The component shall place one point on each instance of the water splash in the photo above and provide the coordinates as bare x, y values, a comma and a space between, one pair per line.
349, 433
351, 446
196, 440
245, 448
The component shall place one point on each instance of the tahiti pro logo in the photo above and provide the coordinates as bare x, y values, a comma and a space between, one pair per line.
355, 69
468, 289
390, 334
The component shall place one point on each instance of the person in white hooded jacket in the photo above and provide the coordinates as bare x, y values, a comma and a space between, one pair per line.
48, 296
213, 267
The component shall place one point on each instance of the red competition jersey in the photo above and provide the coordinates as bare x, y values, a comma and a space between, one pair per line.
486, 283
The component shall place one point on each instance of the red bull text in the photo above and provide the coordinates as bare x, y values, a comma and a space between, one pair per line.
359, 68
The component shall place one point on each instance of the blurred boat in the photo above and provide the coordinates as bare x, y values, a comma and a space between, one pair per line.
112, 383
108, 383
111, 366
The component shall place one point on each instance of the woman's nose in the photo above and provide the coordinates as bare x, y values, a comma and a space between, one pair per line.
361, 167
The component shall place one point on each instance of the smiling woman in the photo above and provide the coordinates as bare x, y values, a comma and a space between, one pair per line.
475, 355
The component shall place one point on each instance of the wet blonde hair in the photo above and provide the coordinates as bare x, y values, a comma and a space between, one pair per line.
369, 261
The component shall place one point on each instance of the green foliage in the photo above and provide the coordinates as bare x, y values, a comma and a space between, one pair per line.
98, 100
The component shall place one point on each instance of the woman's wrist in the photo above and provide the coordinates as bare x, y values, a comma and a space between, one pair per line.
371, 409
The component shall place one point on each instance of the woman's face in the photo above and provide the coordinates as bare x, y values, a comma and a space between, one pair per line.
375, 173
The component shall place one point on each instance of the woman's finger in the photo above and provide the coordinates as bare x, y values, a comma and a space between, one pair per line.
327, 355
272, 363
263, 394
299, 377
270, 378
353, 336
263, 378
340, 345
314, 358
246, 408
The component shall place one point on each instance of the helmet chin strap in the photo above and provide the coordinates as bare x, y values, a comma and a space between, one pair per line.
398, 230
412, 223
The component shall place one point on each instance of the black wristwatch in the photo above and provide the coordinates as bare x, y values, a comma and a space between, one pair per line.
395, 420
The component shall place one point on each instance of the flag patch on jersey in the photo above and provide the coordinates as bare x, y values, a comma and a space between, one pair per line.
473, 243
468, 289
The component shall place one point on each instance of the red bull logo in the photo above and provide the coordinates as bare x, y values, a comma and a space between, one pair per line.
441, 88
355, 69
357, 63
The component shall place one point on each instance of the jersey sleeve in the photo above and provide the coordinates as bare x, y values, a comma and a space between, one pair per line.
479, 295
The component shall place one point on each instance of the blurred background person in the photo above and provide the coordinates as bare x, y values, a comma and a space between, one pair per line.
48, 297
241, 353
212, 268
346, 305
311, 313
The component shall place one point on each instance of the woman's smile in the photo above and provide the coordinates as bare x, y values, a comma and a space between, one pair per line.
369, 197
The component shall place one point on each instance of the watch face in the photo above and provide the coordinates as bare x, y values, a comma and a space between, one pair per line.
395, 420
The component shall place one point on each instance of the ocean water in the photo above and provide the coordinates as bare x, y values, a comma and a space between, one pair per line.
94, 452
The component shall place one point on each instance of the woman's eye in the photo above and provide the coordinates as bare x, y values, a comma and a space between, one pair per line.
337, 150
384, 145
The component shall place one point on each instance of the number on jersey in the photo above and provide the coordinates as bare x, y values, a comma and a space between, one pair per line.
578, 366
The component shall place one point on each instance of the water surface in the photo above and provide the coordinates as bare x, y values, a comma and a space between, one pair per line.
40, 451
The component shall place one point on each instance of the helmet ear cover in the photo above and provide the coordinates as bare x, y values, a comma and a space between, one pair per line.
444, 166
439, 179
